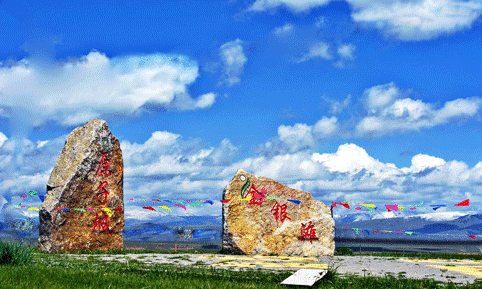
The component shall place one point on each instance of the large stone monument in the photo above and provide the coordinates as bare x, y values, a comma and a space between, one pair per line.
84, 204
262, 216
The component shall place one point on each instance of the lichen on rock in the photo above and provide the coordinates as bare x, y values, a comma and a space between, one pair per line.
266, 217
84, 204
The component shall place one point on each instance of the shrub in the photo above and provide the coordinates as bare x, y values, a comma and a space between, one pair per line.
344, 252
14, 254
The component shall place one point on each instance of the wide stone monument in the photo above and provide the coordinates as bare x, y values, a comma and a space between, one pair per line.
262, 216
84, 204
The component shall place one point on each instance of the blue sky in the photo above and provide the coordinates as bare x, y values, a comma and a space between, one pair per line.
358, 100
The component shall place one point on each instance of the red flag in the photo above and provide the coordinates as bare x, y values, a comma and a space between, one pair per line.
343, 204
225, 201
182, 206
149, 208
472, 237
463, 203
157, 200
118, 209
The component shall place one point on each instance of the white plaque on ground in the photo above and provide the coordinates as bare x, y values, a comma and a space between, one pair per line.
305, 277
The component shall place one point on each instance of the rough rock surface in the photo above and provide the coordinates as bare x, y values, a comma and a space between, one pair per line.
84, 204
260, 219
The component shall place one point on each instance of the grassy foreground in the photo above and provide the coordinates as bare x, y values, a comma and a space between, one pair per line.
63, 272
58, 270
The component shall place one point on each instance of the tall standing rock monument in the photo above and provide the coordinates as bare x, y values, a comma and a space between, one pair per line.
262, 216
84, 204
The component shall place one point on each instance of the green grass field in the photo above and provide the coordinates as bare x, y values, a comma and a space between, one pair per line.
59, 270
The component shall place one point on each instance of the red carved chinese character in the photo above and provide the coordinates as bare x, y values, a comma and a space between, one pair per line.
308, 231
257, 197
103, 191
102, 223
104, 163
277, 214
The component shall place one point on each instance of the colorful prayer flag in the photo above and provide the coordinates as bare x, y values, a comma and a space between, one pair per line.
435, 207
165, 207
107, 211
391, 207
463, 203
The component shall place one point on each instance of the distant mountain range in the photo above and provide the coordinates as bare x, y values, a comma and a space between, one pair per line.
209, 228
422, 228
195, 228
166, 228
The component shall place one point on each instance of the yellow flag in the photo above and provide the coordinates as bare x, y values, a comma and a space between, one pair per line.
165, 207
368, 205
33, 208
248, 198
107, 211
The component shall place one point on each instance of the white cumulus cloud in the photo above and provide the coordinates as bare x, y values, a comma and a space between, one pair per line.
417, 19
284, 30
317, 50
75, 91
346, 51
410, 20
294, 5
3, 138
297, 137
389, 114
233, 59
325, 127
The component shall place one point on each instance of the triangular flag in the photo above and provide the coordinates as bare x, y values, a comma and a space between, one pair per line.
435, 207
463, 203
107, 211
165, 207
182, 206
343, 204
368, 205
392, 207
